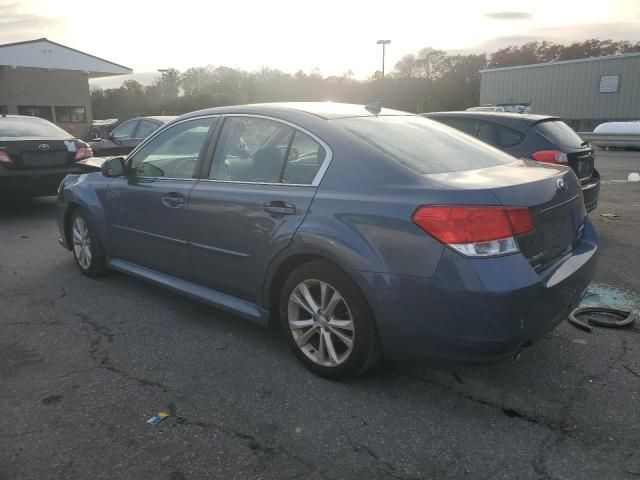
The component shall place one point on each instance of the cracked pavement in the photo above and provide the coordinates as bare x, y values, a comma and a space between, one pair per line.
84, 363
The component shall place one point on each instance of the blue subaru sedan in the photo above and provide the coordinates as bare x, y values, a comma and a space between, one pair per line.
365, 232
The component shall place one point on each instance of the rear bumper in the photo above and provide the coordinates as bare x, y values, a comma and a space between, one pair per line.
591, 191
33, 182
477, 310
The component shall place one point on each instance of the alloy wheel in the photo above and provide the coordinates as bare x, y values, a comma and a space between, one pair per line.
321, 323
81, 242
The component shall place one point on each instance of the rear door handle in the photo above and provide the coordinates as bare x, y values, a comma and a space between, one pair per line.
173, 200
278, 207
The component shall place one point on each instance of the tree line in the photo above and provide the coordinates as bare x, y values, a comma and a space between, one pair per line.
429, 80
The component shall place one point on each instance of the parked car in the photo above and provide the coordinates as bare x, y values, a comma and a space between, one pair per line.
539, 137
35, 155
363, 231
127, 136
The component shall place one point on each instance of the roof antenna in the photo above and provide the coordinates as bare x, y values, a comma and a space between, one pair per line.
374, 107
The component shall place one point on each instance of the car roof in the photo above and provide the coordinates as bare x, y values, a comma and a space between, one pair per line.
326, 110
499, 117
160, 118
23, 116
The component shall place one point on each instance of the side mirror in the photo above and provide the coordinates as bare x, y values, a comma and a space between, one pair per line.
114, 167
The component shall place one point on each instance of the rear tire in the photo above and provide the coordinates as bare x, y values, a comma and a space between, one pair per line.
85, 245
328, 322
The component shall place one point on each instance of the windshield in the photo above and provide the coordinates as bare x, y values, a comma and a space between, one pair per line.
559, 132
12, 128
424, 145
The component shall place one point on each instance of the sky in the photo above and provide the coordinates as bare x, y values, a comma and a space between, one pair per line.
331, 36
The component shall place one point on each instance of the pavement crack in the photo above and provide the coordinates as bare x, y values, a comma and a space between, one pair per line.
389, 470
96, 327
142, 381
631, 370
507, 411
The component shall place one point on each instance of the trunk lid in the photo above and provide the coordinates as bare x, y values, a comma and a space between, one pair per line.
552, 193
28, 154
581, 162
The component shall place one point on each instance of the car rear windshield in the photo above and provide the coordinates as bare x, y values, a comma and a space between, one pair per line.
559, 132
424, 145
12, 128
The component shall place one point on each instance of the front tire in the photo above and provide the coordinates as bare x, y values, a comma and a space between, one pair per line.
85, 244
328, 322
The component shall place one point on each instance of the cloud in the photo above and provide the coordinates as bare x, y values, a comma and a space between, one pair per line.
509, 15
15, 25
565, 35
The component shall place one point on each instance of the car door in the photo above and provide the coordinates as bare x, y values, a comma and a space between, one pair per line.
147, 208
260, 185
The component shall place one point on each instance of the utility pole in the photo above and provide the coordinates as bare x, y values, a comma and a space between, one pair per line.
384, 43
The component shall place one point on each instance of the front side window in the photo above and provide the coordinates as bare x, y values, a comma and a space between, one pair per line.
124, 131
424, 145
173, 153
259, 150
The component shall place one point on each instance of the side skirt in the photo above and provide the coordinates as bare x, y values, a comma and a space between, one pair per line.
214, 298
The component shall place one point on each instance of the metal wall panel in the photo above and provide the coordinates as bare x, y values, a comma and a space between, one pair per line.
568, 89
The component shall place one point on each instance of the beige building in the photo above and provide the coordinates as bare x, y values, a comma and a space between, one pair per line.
48, 80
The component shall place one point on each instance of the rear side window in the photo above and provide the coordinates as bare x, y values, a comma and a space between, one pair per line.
259, 150
424, 145
465, 125
145, 128
12, 128
508, 137
487, 133
559, 133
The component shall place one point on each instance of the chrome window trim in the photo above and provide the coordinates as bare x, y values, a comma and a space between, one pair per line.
321, 171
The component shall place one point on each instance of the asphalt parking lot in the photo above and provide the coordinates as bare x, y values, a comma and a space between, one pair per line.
84, 363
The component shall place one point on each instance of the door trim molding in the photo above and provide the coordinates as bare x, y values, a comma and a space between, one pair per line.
149, 234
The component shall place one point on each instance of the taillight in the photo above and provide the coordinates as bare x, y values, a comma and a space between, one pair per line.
550, 156
475, 231
5, 158
83, 152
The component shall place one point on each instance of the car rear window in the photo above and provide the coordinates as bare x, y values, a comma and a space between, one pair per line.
12, 128
424, 145
559, 132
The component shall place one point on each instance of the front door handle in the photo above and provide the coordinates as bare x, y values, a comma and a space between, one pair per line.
279, 208
173, 200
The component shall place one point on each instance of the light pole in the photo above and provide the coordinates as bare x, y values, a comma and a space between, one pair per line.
384, 44
162, 72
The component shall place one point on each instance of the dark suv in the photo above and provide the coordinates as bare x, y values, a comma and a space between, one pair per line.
538, 137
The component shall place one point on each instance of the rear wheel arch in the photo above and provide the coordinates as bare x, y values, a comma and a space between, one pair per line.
280, 275
282, 271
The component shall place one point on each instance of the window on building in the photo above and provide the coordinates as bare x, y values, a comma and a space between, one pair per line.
71, 115
3, 109
609, 83
36, 111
